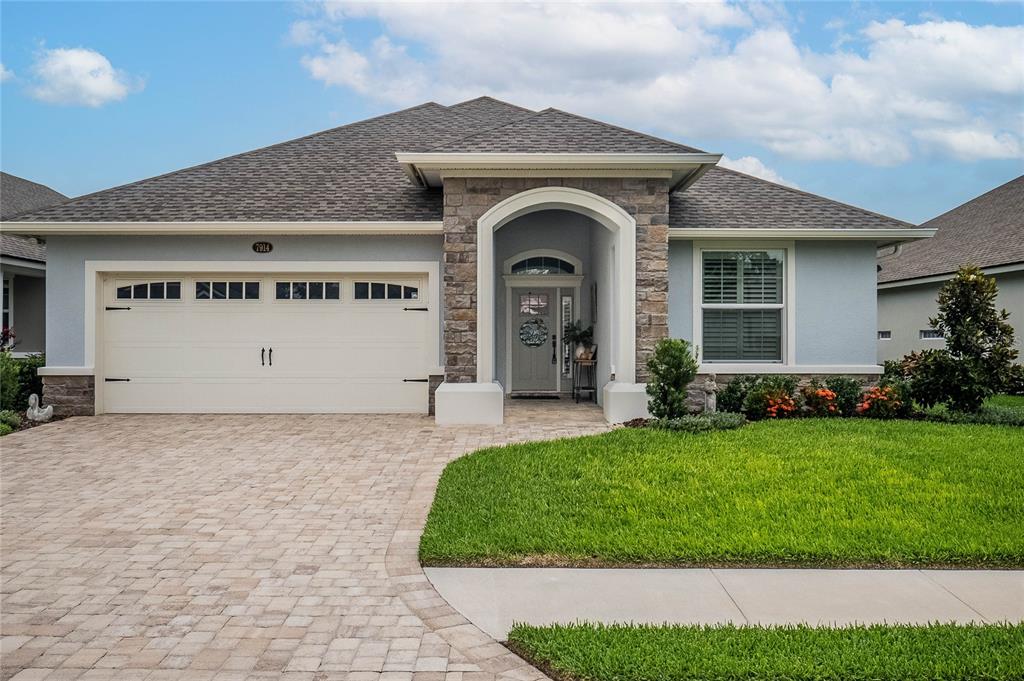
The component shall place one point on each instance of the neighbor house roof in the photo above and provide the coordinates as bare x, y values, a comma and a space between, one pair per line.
987, 231
351, 174
18, 195
727, 199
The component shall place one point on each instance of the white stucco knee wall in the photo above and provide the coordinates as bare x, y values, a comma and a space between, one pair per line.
625, 401
469, 403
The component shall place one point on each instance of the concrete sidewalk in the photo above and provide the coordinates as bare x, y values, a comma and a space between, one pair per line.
494, 598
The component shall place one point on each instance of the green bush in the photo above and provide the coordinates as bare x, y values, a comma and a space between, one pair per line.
10, 380
979, 348
1014, 380
701, 423
988, 414
772, 396
730, 398
672, 368
5, 429
848, 391
29, 380
10, 418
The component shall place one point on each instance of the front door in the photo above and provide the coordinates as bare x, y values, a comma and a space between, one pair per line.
534, 339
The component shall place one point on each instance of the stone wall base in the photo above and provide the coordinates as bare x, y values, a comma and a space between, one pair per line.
70, 395
695, 391
435, 381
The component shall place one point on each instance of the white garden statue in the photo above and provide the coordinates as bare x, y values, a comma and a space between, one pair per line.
37, 414
710, 397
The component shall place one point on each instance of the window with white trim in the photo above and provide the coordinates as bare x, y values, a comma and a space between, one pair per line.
148, 290
227, 290
885, 335
742, 305
307, 290
930, 334
382, 290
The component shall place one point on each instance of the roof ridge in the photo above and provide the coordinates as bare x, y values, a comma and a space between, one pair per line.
492, 99
654, 138
976, 198
234, 156
794, 190
485, 130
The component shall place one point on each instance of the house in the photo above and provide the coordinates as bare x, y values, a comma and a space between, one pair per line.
987, 231
433, 256
23, 265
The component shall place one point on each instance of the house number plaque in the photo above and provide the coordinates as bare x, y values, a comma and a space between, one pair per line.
262, 247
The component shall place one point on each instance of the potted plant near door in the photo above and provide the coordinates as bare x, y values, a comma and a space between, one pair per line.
581, 338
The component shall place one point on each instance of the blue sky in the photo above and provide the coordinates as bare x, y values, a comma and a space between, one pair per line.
904, 108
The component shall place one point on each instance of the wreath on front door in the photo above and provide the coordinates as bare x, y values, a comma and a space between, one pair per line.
533, 333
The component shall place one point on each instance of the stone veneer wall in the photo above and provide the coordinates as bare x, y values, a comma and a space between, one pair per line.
70, 395
466, 199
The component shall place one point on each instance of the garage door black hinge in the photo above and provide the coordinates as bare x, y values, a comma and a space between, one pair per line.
415, 380
415, 309
109, 307
116, 380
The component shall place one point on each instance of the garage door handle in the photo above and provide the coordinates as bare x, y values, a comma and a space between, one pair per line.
263, 357
415, 380
415, 309
116, 380
270, 357
108, 307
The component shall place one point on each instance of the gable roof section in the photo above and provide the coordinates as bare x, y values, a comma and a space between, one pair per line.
18, 195
343, 174
553, 132
987, 231
726, 199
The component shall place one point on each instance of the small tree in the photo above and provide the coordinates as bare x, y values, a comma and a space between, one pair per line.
672, 368
979, 345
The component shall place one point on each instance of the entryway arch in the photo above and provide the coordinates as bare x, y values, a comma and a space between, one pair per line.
609, 215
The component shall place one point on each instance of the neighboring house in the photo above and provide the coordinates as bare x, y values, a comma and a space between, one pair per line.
360, 268
23, 265
987, 231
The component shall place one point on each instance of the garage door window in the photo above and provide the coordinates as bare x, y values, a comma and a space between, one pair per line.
149, 290
227, 290
379, 290
307, 290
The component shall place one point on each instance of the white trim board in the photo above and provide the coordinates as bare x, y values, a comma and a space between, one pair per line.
880, 235
95, 270
1000, 269
725, 368
221, 228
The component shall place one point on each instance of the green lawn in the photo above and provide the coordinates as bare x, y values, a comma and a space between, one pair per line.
721, 653
1015, 402
830, 492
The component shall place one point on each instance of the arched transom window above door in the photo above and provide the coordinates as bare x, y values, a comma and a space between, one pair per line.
543, 263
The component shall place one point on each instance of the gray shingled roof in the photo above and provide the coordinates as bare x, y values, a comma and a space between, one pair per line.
554, 131
346, 173
18, 195
987, 231
350, 173
726, 199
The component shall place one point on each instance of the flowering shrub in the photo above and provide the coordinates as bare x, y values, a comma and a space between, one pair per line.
820, 401
881, 402
780, 406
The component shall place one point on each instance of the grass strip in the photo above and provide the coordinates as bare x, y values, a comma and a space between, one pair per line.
937, 652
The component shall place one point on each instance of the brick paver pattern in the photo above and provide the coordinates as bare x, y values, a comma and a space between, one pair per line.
239, 547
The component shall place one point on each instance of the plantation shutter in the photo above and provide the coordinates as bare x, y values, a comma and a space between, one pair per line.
742, 297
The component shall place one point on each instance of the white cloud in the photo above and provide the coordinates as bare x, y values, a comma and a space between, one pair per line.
79, 76
5, 74
885, 93
752, 165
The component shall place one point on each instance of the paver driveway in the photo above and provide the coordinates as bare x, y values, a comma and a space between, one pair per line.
235, 547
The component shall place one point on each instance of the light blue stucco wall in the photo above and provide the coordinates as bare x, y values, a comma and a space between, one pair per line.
834, 300
66, 257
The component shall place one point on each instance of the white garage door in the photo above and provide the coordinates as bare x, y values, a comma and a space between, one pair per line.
225, 343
